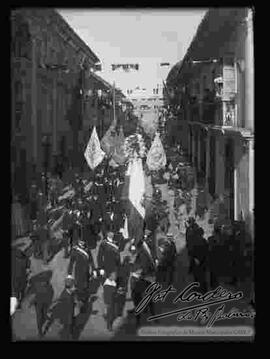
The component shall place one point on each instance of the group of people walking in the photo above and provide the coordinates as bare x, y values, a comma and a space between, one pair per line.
222, 258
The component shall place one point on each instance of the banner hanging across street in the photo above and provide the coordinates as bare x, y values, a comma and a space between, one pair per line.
125, 67
93, 153
156, 158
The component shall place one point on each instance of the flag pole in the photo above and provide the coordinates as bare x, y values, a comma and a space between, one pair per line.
114, 101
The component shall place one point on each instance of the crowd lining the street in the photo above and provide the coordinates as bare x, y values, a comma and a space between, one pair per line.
92, 214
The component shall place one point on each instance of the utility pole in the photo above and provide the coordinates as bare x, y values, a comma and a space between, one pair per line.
114, 102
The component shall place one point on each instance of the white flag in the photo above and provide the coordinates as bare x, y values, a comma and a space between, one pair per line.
156, 158
137, 186
124, 230
93, 153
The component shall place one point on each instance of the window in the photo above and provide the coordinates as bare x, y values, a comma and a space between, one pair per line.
204, 82
212, 169
213, 76
21, 41
229, 164
229, 79
18, 96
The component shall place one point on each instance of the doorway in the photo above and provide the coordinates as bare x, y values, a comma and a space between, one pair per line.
229, 175
212, 167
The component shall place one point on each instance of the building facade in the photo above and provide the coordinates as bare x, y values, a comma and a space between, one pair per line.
215, 92
49, 65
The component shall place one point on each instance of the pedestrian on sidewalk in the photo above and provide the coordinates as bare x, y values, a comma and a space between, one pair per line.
20, 270
199, 257
139, 284
214, 257
43, 295
191, 233
44, 236
63, 310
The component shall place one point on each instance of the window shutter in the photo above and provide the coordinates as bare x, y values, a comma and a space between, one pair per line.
229, 79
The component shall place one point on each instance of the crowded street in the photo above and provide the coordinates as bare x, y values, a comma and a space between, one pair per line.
133, 193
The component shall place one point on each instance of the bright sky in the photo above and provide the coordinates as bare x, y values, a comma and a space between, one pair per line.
146, 37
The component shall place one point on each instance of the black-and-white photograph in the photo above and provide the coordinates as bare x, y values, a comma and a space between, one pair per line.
132, 174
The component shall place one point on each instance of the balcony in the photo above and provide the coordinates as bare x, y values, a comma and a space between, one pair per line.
226, 114
218, 112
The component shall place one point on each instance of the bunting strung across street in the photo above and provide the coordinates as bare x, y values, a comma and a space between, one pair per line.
156, 158
125, 67
93, 153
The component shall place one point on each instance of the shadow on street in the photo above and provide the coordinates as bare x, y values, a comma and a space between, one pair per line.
82, 318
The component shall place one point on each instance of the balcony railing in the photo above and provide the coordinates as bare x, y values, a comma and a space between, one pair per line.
220, 113
226, 114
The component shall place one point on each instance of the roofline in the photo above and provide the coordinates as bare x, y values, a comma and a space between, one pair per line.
99, 78
36, 12
76, 37
187, 54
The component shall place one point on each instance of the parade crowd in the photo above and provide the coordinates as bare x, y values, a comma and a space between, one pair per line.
92, 215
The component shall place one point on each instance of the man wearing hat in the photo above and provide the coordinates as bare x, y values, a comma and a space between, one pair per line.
68, 230
191, 234
81, 263
108, 257
215, 254
43, 295
63, 309
166, 266
146, 261
139, 282
199, 259
95, 208
20, 269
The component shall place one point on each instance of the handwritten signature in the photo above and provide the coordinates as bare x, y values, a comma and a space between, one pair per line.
220, 295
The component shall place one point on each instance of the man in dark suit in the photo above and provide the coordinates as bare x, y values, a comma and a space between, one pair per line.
146, 260
199, 256
95, 209
81, 262
166, 265
89, 232
63, 309
68, 221
20, 269
119, 214
108, 257
43, 296
139, 284
191, 234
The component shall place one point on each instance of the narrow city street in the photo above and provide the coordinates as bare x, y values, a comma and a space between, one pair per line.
94, 327
92, 324
132, 169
